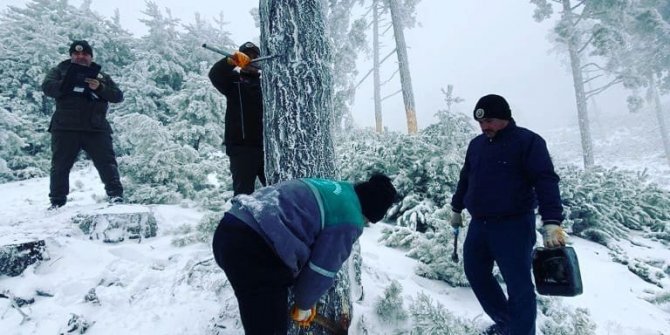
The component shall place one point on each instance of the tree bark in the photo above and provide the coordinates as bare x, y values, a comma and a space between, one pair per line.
298, 114
375, 68
403, 64
578, 82
297, 91
662, 122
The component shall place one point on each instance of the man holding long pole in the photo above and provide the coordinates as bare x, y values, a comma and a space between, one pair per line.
239, 80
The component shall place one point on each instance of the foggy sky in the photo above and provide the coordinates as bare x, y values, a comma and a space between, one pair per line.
479, 46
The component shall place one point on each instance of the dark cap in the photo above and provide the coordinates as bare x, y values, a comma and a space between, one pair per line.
376, 196
81, 46
250, 46
492, 106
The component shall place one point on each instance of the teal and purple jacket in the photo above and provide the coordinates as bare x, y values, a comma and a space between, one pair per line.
311, 224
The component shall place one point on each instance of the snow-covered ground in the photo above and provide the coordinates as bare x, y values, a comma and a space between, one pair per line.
154, 287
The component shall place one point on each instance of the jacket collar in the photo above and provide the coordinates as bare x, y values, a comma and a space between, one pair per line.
503, 133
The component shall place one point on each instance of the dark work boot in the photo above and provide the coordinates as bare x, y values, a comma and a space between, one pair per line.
494, 330
57, 203
115, 200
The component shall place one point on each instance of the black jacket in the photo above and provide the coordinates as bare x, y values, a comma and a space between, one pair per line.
244, 104
508, 175
83, 111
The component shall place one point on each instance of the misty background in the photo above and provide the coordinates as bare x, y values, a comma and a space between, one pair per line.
479, 46
168, 136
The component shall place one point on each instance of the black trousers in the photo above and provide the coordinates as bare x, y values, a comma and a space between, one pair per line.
65, 147
259, 278
246, 163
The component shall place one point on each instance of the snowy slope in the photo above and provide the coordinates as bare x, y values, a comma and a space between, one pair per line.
154, 287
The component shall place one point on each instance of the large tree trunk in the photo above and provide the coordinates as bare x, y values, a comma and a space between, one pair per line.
375, 68
297, 91
662, 122
297, 99
578, 82
403, 63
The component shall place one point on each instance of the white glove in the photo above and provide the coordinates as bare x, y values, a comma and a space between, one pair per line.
553, 235
456, 220
303, 317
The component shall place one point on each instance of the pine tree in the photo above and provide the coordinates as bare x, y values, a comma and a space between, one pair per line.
159, 70
635, 39
397, 18
203, 32
389, 307
34, 39
297, 93
348, 38
574, 34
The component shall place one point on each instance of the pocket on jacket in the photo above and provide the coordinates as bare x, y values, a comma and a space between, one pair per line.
67, 118
98, 119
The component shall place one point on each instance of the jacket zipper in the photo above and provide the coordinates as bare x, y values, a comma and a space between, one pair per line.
239, 94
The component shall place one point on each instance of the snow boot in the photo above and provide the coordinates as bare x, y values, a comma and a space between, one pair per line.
493, 330
115, 200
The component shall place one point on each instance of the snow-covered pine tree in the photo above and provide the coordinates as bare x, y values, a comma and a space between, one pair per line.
113, 47
35, 38
297, 95
10, 142
572, 29
202, 31
198, 112
22, 68
348, 38
434, 319
198, 122
634, 37
390, 307
159, 68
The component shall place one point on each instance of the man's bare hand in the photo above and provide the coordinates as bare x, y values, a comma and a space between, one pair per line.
93, 84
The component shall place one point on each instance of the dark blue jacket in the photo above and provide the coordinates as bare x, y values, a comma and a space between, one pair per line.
507, 175
311, 224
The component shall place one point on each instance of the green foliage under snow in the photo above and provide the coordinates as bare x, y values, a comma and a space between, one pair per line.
604, 204
389, 307
557, 319
434, 319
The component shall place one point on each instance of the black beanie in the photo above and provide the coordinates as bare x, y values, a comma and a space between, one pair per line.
81, 46
492, 106
248, 45
376, 196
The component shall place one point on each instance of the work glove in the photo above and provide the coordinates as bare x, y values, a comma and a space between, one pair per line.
303, 317
456, 220
239, 59
553, 235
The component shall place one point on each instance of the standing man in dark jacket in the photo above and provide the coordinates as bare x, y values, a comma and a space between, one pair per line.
506, 174
239, 80
82, 95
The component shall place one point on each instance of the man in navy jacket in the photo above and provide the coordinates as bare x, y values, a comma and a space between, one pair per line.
507, 174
